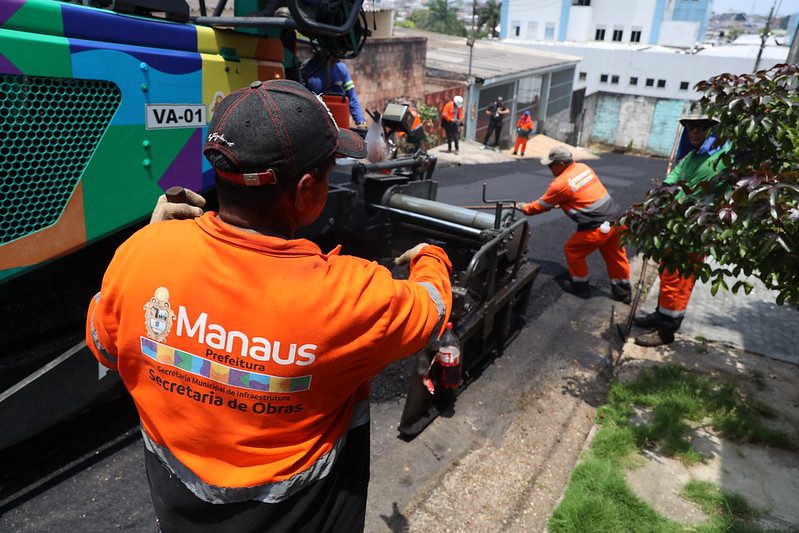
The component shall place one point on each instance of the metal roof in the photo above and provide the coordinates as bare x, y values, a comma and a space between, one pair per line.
492, 61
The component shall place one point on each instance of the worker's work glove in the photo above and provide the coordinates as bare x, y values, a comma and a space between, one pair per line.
527, 209
165, 210
408, 255
361, 125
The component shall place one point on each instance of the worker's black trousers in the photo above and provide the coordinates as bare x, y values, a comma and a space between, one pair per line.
496, 129
453, 132
334, 503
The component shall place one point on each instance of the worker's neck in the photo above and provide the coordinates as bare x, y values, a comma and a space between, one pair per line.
257, 223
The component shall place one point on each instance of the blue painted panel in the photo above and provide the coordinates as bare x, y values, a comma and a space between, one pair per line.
665, 121
97, 25
503, 19
793, 24
657, 18
564, 19
123, 69
693, 11
606, 120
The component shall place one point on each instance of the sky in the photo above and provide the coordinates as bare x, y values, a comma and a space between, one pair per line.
761, 7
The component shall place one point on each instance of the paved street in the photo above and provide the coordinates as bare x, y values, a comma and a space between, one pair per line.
108, 490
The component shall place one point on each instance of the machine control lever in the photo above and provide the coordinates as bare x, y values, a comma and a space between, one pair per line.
498, 206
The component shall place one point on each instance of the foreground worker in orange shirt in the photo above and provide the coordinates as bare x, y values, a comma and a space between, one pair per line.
248, 353
580, 194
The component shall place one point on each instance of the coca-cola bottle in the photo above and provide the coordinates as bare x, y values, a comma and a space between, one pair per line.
449, 360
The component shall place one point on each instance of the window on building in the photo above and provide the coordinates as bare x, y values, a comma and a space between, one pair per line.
549, 31
661, 84
683, 85
618, 33
532, 30
603, 78
650, 82
516, 28
582, 76
633, 80
635, 35
581, 2
600, 33
614, 80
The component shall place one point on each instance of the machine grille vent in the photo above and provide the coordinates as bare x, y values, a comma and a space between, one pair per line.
49, 128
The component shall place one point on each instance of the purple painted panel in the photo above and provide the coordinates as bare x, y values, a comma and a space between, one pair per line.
186, 169
105, 26
7, 67
168, 61
8, 8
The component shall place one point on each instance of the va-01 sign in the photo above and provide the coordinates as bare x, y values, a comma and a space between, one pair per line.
175, 116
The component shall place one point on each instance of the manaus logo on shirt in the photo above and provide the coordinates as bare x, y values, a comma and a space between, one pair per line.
158, 315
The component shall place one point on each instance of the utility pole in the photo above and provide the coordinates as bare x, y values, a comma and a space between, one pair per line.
764, 36
470, 40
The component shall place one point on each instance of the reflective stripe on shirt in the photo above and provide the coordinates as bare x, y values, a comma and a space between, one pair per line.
592, 207
96, 338
440, 307
273, 492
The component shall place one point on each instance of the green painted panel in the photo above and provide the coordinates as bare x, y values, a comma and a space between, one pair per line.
38, 16
36, 54
118, 189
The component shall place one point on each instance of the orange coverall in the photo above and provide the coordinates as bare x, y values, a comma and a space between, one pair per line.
248, 356
583, 198
525, 123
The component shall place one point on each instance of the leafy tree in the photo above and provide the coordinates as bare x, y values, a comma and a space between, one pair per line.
438, 17
488, 17
747, 217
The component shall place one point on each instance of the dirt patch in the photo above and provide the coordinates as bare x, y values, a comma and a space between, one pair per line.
513, 486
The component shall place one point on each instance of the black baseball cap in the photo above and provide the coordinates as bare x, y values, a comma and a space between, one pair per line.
275, 130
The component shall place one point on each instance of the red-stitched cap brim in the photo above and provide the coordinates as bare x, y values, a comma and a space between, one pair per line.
350, 144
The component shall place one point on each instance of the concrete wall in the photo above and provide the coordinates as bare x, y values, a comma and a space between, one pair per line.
628, 61
555, 126
642, 123
679, 34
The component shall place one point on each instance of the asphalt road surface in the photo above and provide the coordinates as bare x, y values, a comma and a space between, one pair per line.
100, 483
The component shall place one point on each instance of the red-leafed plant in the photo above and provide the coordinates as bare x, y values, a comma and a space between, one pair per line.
747, 217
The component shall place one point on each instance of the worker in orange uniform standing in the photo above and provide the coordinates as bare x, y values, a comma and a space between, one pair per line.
247, 352
451, 120
580, 194
524, 128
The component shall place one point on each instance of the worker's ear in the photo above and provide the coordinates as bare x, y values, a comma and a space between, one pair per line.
310, 196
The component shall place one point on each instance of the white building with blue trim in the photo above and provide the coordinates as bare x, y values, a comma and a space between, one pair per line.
677, 23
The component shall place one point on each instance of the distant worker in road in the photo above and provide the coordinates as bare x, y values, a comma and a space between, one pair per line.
699, 160
496, 115
247, 352
451, 120
324, 74
524, 128
583, 198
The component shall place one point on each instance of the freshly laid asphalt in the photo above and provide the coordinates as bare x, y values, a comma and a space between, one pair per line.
105, 488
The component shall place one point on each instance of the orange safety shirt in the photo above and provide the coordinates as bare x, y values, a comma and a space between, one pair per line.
580, 194
247, 355
448, 113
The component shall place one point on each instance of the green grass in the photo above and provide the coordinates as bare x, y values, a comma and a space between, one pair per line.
598, 497
674, 396
729, 511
